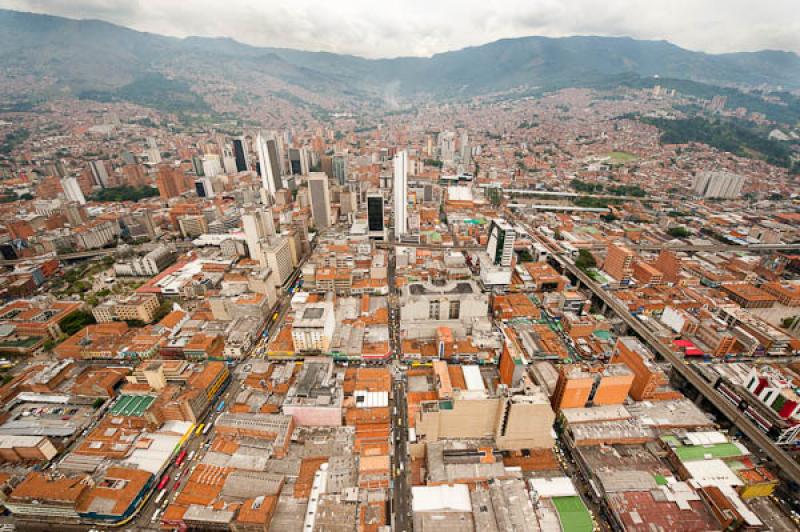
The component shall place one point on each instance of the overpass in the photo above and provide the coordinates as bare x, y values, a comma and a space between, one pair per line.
719, 247
179, 245
565, 194
434, 247
62, 256
781, 459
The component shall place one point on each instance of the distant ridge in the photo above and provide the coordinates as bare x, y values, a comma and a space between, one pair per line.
59, 55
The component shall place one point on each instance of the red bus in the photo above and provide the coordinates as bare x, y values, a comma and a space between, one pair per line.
163, 481
181, 457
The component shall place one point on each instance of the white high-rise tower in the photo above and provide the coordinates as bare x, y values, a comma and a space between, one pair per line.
400, 194
72, 190
265, 165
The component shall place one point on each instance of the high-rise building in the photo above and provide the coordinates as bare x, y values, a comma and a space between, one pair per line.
339, 168
464, 148
501, 242
298, 161
447, 146
197, 166
375, 212
211, 165
400, 194
99, 173
268, 164
257, 225
724, 185
240, 154
72, 190
171, 182
619, 262
204, 187
134, 175
278, 256
228, 160
320, 199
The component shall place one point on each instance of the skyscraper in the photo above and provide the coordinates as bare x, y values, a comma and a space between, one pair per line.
257, 225
447, 146
375, 212
501, 242
400, 194
320, 199
268, 164
171, 182
465, 150
240, 154
298, 161
204, 187
72, 190
339, 164
99, 173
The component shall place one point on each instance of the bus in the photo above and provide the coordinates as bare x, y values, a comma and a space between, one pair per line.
163, 482
160, 496
199, 429
221, 405
181, 457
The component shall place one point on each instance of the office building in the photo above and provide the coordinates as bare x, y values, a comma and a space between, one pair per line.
257, 225
72, 190
375, 213
400, 194
192, 226
204, 188
278, 256
314, 326
197, 166
723, 185
465, 151
240, 154
501, 242
99, 172
320, 200
171, 182
211, 166
268, 164
339, 168
299, 161
447, 146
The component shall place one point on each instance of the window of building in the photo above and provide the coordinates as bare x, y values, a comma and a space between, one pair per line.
433, 309
455, 309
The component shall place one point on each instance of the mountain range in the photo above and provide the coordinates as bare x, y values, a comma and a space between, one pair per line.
44, 56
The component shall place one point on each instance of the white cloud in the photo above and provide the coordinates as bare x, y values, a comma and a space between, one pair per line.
373, 28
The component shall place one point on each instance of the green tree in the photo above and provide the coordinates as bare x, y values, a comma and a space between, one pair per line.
76, 321
585, 260
678, 232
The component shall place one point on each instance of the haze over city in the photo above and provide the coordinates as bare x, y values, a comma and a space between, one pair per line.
517, 267
418, 28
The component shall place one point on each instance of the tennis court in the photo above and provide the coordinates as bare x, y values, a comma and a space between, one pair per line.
573, 514
132, 405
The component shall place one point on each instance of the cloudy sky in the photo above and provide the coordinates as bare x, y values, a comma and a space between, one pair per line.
387, 28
